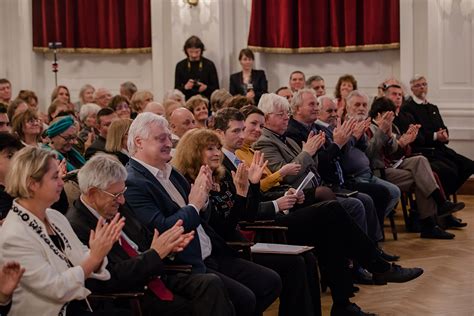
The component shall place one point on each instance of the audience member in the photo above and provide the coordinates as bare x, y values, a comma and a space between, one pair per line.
88, 119
16, 107
30, 98
195, 74
236, 198
285, 92
86, 95
56, 263
5, 91
155, 107
121, 106
386, 147
28, 127
238, 102
63, 135
4, 120
55, 108
175, 95
317, 84
102, 97
249, 82
199, 107
297, 80
345, 85
452, 168
116, 142
219, 98
128, 89
9, 145
104, 118
160, 196
181, 121
139, 101
170, 106
137, 260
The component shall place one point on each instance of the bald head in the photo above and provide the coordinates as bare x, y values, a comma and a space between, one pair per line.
181, 121
155, 107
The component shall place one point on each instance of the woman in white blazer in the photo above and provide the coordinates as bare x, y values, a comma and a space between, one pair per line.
41, 239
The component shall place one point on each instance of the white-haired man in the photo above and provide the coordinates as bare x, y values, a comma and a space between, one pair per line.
160, 196
433, 137
137, 259
102, 97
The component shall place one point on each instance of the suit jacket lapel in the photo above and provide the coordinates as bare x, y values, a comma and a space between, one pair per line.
279, 144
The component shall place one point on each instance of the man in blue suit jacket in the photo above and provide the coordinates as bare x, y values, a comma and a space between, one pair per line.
160, 196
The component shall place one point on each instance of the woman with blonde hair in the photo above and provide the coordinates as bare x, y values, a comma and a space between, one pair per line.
42, 240
139, 100
198, 105
117, 136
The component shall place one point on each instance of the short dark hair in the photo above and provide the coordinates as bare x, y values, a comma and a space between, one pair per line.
297, 72
247, 52
251, 109
115, 101
314, 78
281, 88
239, 101
9, 141
381, 105
224, 116
5, 80
345, 78
104, 112
193, 42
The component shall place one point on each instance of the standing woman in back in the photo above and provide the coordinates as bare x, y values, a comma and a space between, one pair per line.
249, 82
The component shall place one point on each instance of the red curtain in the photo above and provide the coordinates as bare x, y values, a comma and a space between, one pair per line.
313, 26
113, 26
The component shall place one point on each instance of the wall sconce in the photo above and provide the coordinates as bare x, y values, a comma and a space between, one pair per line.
192, 3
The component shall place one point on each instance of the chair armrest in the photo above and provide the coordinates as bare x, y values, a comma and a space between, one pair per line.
258, 222
243, 247
260, 228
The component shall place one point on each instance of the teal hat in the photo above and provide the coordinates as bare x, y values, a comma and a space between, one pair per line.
59, 126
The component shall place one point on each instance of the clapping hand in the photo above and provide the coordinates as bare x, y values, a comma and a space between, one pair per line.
343, 132
360, 128
104, 236
201, 187
257, 167
241, 179
10, 275
172, 240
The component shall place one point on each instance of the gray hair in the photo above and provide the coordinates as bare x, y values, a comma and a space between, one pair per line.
297, 99
416, 77
321, 100
173, 93
141, 126
356, 93
313, 78
129, 86
101, 171
271, 102
88, 109
83, 89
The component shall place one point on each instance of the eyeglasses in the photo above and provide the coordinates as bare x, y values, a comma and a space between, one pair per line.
33, 121
4, 124
281, 114
419, 85
69, 139
123, 106
116, 195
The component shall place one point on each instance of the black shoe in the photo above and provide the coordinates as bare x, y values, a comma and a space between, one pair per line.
396, 274
348, 310
449, 207
453, 222
436, 233
362, 276
387, 256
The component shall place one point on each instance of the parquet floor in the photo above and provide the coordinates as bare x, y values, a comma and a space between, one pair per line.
445, 288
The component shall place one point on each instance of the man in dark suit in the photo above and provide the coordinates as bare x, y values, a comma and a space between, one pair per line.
105, 116
137, 259
324, 225
160, 196
433, 138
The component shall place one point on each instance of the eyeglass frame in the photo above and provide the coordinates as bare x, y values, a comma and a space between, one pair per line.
116, 195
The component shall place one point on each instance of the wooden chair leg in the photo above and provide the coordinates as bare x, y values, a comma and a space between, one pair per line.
404, 201
391, 217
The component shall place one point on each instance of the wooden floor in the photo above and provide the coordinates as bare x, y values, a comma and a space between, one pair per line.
445, 288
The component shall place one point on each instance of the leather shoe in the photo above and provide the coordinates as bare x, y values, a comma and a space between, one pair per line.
449, 207
348, 310
388, 257
362, 276
396, 274
453, 222
436, 232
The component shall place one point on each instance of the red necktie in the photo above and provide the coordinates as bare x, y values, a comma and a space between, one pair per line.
156, 285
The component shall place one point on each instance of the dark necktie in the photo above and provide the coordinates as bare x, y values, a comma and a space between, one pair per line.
156, 285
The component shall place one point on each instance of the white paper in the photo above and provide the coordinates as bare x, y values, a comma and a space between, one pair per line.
305, 182
398, 163
279, 248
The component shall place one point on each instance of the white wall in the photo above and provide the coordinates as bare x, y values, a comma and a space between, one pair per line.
438, 45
